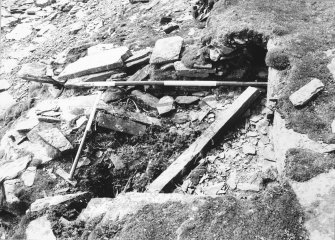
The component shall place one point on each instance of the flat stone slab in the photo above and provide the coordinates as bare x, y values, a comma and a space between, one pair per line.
317, 197
55, 138
104, 61
120, 125
11, 169
186, 100
35, 72
166, 50
165, 105
40, 228
146, 98
6, 102
4, 85
304, 94
184, 71
20, 31
45, 203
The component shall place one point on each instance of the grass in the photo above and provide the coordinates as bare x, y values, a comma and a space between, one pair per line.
303, 164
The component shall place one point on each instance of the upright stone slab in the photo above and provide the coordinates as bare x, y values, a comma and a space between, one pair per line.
103, 61
166, 50
6, 101
304, 94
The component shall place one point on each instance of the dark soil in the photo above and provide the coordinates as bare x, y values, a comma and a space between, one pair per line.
302, 164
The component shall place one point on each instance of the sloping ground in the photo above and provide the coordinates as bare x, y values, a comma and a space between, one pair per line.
300, 33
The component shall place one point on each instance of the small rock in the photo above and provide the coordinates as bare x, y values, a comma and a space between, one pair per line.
43, 3
186, 100
44, 203
231, 182
11, 186
165, 105
166, 50
8, 65
84, 162
249, 149
255, 118
333, 126
81, 121
210, 101
76, 27
4, 85
184, 71
181, 117
28, 177
222, 155
20, 31
112, 95
305, 93
214, 189
248, 187
214, 54
40, 228
117, 162
170, 27
211, 159
252, 134
6, 102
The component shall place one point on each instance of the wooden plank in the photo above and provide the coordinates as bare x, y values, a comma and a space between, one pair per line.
239, 106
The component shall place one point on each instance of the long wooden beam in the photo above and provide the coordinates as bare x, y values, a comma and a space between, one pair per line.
180, 165
196, 83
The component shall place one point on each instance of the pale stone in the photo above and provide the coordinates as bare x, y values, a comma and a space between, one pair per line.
331, 67
28, 177
165, 105
210, 101
104, 61
186, 100
40, 228
12, 168
182, 70
76, 27
305, 93
213, 189
43, 3
55, 138
333, 126
7, 65
248, 187
6, 102
317, 197
4, 85
10, 188
45, 203
166, 50
231, 182
249, 149
20, 31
